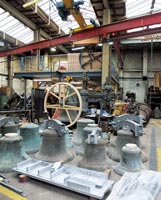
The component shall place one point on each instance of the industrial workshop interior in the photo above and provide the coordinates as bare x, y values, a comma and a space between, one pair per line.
80, 99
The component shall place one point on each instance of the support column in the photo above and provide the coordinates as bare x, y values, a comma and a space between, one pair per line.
37, 39
9, 72
145, 63
37, 59
25, 93
106, 51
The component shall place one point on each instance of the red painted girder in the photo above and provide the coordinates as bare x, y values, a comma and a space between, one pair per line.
135, 34
85, 34
118, 53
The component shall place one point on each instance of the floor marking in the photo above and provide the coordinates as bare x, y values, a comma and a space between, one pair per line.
156, 123
153, 151
159, 159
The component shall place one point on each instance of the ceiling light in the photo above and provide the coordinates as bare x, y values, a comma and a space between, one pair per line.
77, 48
99, 44
53, 49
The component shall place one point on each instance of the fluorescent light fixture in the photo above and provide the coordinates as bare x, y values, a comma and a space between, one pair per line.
99, 44
77, 48
139, 41
110, 43
29, 3
53, 49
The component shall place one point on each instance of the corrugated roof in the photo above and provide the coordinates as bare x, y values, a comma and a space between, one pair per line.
136, 8
14, 28
11, 26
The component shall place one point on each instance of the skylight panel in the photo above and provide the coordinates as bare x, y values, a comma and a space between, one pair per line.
13, 27
2, 11
16, 31
135, 8
3, 16
6, 23
157, 6
26, 36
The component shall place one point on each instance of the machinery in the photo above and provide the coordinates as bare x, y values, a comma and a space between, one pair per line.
133, 107
103, 97
65, 8
121, 108
13, 103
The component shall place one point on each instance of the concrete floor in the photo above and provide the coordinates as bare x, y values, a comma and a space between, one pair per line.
36, 190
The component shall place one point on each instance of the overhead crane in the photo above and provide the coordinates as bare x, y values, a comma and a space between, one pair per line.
66, 8
71, 7
113, 29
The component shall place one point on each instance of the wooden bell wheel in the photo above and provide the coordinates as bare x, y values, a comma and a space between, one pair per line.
63, 96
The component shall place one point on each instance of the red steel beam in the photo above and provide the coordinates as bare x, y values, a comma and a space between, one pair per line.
135, 34
142, 21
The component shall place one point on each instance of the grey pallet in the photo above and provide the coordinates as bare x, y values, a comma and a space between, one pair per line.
88, 182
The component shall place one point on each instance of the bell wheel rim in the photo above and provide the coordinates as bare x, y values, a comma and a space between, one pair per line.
62, 96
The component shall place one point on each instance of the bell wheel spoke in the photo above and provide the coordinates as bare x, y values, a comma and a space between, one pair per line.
54, 95
53, 106
69, 95
68, 116
68, 107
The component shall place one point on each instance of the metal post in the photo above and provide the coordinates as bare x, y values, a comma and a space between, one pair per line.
9, 78
25, 84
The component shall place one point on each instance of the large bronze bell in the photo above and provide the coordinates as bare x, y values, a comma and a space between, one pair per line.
31, 137
130, 160
54, 147
11, 151
124, 136
9, 127
78, 134
94, 157
87, 131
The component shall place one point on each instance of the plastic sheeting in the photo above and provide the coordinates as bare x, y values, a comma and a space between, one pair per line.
137, 186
